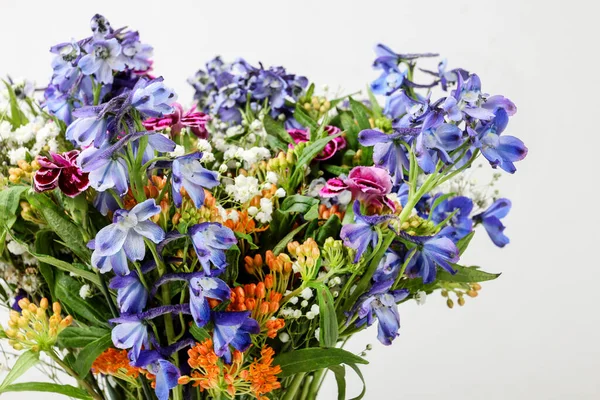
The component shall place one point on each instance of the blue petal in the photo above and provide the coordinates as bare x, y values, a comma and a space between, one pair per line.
134, 246
110, 239
150, 230
145, 210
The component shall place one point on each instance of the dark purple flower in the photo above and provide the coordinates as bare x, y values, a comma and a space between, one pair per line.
430, 253
189, 173
61, 171
211, 240
490, 219
362, 233
370, 185
233, 329
330, 149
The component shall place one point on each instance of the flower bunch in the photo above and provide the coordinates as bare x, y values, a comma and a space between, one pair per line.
229, 249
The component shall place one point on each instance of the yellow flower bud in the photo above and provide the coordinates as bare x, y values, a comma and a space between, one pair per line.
56, 308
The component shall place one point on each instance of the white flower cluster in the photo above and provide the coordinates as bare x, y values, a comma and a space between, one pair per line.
206, 149
30, 139
295, 313
264, 214
243, 189
247, 156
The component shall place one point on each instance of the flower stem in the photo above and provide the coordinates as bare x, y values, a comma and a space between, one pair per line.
74, 374
316, 383
290, 392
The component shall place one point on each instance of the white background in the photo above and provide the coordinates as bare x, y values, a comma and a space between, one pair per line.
533, 333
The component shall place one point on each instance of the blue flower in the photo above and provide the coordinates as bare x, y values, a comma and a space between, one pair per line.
500, 151
132, 296
130, 333
389, 266
113, 262
128, 230
210, 240
85, 131
381, 302
269, 85
135, 54
167, 374
233, 328
460, 224
105, 170
189, 173
430, 253
200, 289
388, 152
361, 234
436, 141
153, 98
490, 219
103, 58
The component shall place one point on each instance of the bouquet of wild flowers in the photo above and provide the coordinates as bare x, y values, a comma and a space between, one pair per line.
228, 250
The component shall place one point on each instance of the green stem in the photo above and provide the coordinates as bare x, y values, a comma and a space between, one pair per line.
106, 293
290, 392
306, 385
74, 374
316, 383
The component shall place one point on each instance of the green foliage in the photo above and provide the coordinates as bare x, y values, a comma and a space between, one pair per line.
23, 363
78, 337
288, 238
67, 290
330, 228
328, 323
67, 390
312, 359
90, 352
17, 117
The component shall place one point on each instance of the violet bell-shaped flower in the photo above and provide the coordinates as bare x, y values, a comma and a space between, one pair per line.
189, 173
132, 296
202, 288
167, 374
362, 233
233, 329
211, 240
490, 219
429, 253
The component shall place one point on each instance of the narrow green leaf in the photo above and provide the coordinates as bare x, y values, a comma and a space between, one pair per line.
200, 334
311, 359
351, 130
65, 266
288, 238
310, 91
360, 375
43, 245
304, 119
331, 228
463, 243
360, 114
466, 275
76, 337
276, 129
233, 264
377, 111
89, 353
9, 203
336, 169
313, 213
340, 378
23, 363
308, 154
247, 238
66, 390
17, 117
298, 203
67, 290
327, 317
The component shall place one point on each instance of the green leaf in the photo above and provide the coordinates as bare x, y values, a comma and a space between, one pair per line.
66, 390
361, 114
298, 203
463, 243
313, 213
328, 324
233, 264
89, 353
360, 375
9, 203
304, 119
67, 290
311, 359
200, 334
437, 202
466, 275
17, 117
247, 238
340, 377
351, 130
65, 266
288, 238
310, 91
336, 169
76, 337
377, 111
330, 228
308, 154
23, 363
277, 130
64, 228
43, 245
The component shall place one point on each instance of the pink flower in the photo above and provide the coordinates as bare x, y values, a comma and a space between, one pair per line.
300, 135
193, 119
61, 170
368, 184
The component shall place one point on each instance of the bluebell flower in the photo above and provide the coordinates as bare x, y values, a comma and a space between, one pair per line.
128, 230
430, 253
362, 233
381, 302
389, 266
460, 224
167, 374
436, 141
202, 288
189, 173
211, 240
130, 333
132, 296
233, 329
153, 98
500, 151
490, 219
389, 151
103, 58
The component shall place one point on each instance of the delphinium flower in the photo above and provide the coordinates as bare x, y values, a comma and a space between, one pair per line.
361, 234
164, 373
490, 219
202, 288
188, 173
210, 241
60, 171
429, 253
233, 328
458, 209
132, 296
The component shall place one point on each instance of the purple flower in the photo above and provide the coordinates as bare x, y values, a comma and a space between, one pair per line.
135, 54
103, 58
389, 266
490, 219
87, 131
434, 142
202, 288
167, 374
105, 172
105, 202
381, 302
233, 328
153, 98
132, 296
189, 173
61, 171
128, 230
460, 224
361, 234
210, 240
116, 262
430, 253
331, 148
130, 333
389, 151
370, 185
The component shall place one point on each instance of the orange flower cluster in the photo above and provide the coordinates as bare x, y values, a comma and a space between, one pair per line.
262, 374
279, 266
326, 213
273, 326
244, 224
261, 299
116, 363
210, 373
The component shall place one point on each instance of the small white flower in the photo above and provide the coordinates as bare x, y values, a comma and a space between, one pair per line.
420, 297
272, 177
310, 315
307, 294
243, 189
30, 283
304, 303
178, 152
85, 291
318, 334
294, 300
207, 157
16, 248
223, 168
14, 155
204, 145
234, 216
280, 193
284, 337
315, 309
296, 267
252, 211
297, 314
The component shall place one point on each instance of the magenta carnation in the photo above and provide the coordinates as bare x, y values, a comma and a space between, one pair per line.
338, 143
193, 119
61, 170
367, 184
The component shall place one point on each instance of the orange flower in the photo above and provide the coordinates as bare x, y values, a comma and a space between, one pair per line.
244, 224
274, 325
116, 363
326, 213
203, 359
262, 375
